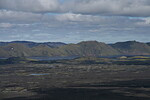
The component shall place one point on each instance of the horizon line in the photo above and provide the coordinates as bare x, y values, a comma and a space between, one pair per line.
71, 43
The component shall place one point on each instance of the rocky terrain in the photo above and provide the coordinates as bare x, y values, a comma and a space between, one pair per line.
74, 81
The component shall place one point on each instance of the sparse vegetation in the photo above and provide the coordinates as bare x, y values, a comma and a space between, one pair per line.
86, 48
90, 75
20, 82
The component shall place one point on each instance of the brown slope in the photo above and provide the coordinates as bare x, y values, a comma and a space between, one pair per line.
88, 48
132, 48
14, 50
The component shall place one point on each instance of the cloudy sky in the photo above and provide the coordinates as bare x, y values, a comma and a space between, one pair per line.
72, 21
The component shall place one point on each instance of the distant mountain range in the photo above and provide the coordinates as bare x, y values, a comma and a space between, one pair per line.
33, 44
85, 48
132, 48
148, 43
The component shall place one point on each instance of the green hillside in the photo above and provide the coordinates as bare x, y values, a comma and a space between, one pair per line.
132, 48
88, 48
14, 50
85, 48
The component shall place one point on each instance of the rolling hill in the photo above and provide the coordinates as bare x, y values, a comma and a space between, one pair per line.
132, 48
85, 48
88, 48
33, 44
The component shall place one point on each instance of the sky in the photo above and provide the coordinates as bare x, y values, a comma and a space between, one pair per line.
72, 21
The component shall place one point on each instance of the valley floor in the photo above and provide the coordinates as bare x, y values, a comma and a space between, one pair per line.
74, 82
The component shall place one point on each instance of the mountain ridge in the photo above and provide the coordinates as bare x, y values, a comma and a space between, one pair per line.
84, 48
132, 48
32, 44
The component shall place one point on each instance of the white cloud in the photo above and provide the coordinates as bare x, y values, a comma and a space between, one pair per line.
109, 7
144, 22
5, 25
14, 16
30, 5
82, 19
147, 20
100, 7
76, 17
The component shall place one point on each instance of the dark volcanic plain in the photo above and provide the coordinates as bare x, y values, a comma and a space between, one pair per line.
58, 81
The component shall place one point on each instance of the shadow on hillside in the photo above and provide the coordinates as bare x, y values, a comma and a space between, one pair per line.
79, 94
94, 92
